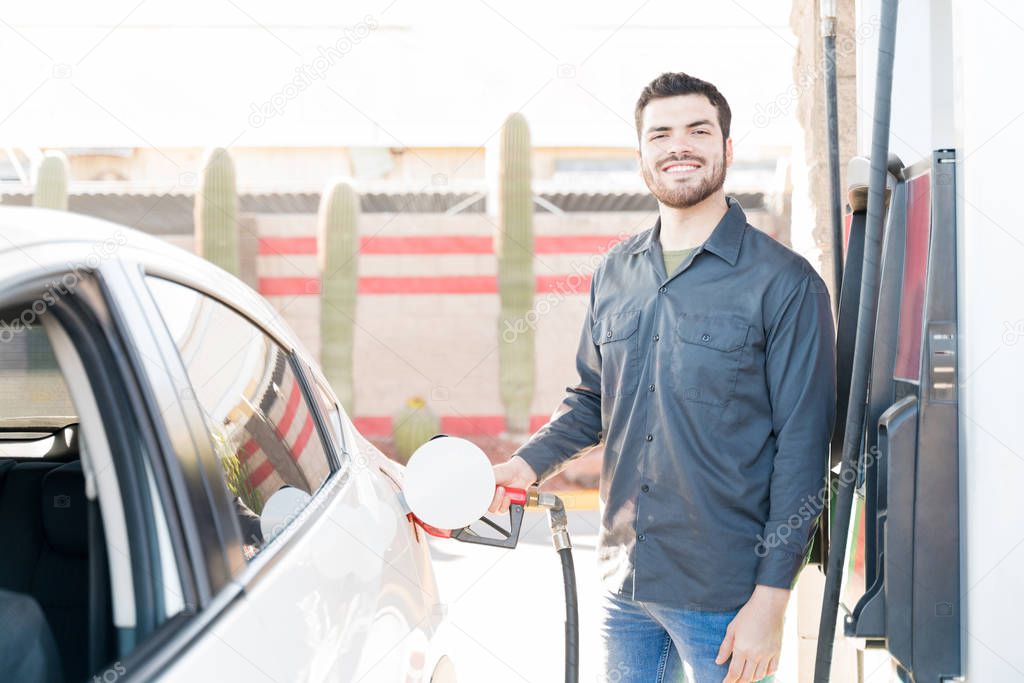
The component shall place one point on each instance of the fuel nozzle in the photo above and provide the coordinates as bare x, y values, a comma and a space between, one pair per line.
557, 518
445, 465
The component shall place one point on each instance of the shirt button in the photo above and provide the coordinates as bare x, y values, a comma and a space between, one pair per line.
609, 335
705, 337
651, 388
657, 337
663, 289
650, 437
641, 537
645, 488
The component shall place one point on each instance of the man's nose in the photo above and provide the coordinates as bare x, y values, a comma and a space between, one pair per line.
678, 145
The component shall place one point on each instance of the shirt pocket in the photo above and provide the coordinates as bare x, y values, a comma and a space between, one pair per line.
708, 359
616, 337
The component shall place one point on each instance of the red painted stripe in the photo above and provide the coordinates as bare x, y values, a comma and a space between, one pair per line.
427, 244
443, 284
303, 438
288, 286
373, 425
454, 425
441, 244
247, 449
289, 413
472, 424
287, 246
538, 421
574, 244
260, 474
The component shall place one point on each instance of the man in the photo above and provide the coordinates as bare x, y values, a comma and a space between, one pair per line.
706, 366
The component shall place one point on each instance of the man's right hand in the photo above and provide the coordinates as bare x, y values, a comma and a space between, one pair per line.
514, 473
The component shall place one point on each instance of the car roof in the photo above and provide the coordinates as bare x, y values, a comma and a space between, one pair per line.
80, 236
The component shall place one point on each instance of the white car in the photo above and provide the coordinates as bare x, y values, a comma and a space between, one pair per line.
158, 423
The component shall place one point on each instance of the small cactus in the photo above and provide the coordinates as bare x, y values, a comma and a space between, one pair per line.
52, 182
413, 425
216, 212
51, 193
338, 251
516, 283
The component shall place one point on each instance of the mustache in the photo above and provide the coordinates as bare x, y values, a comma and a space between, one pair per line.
671, 159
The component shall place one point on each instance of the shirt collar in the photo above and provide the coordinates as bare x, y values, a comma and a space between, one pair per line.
724, 241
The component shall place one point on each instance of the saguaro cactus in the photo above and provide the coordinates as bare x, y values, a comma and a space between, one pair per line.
216, 211
52, 182
516, 284
338, 251
413, 426
51, 192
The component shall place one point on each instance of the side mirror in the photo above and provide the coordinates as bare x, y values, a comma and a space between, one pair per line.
281, 508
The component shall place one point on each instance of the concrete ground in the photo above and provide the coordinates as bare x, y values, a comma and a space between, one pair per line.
507, 607
507, 610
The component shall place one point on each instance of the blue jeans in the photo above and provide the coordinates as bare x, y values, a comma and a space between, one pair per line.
649, 643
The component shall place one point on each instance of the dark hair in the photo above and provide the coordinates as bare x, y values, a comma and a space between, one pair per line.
672, 84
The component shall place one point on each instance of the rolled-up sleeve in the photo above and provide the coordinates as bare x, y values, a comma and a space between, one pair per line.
575, 426
801, 375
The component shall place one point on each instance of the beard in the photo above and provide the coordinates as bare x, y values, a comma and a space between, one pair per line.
690, 192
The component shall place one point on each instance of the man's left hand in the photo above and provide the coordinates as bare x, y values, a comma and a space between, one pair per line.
754, 637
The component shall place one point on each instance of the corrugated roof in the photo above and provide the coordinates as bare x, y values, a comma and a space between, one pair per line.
623, 201
170, 214
166, 214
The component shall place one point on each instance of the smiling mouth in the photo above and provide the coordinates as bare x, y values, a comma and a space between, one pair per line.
680, 167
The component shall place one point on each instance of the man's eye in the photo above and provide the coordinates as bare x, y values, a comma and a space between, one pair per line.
659, 136
702, 132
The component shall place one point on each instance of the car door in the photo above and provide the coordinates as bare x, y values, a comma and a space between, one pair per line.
338, 591
98, 548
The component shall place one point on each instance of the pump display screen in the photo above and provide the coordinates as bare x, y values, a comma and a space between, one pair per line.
908, 350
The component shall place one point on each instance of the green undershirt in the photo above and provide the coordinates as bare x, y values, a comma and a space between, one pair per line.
674, 258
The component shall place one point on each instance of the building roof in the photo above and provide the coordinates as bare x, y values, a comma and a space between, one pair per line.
171, 214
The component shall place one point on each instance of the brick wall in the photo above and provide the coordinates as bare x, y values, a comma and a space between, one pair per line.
426, 318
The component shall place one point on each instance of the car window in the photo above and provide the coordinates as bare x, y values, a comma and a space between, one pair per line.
34, 398
259, 421
335, 419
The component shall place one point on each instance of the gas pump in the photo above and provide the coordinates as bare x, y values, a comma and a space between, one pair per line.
896, 508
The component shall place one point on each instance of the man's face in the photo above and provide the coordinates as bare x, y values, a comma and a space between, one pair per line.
683, 157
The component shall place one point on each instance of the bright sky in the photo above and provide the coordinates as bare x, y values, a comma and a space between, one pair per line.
408, 72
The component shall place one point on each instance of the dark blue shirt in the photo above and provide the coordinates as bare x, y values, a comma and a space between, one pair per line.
713, 391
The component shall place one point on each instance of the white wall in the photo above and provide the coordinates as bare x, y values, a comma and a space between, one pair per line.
922, 78
990, 136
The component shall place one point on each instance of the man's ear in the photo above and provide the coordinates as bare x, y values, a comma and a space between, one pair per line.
728, 152
639, 162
